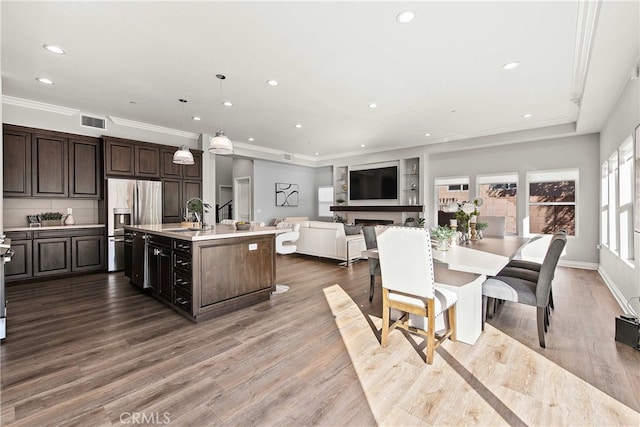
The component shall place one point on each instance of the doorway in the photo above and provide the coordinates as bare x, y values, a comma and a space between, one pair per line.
242, 198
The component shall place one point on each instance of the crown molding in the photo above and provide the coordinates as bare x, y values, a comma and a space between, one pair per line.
154, 128
587, 20
35, 105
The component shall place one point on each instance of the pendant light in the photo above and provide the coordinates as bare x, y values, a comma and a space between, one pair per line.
183, 156
220, 143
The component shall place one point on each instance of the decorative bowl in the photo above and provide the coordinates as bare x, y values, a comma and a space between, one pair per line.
243, 226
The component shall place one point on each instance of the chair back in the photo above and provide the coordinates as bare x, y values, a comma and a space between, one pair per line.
548, 268
227, 222
406, 261
370, 240
496, 225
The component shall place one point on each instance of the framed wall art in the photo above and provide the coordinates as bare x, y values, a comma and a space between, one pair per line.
287, 194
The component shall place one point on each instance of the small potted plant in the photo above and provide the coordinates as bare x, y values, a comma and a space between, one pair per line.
49, 219
340, 202
442, 235
410, 222
479, 227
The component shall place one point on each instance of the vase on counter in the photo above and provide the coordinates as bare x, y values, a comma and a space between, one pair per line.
69, 220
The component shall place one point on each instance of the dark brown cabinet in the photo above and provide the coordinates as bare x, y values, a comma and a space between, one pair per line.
137, 259
48, 164
194, 171
16, 162
88, 253
51, 256
127, 158
159, 267
147, 161
168, 169
191, 189
172, 207
119, 157
21, 265
44, 253
85, 168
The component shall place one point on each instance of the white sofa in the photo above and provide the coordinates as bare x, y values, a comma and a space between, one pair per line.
327, 240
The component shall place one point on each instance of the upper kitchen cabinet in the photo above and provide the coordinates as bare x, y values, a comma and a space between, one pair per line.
42, 163
16, 162
119, 155
127, 158
172, 170
147, 161
85, 177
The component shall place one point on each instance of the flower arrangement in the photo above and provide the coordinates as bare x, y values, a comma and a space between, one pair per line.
442, 232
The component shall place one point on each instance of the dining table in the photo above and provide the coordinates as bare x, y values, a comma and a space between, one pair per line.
463, 268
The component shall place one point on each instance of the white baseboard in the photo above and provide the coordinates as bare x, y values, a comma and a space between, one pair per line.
579, 264
614, 290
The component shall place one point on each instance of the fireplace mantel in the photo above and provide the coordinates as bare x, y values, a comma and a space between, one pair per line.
394, 208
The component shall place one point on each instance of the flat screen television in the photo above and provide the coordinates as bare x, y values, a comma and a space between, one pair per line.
373, 184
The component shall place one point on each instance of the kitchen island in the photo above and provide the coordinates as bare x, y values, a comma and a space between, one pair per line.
201, 273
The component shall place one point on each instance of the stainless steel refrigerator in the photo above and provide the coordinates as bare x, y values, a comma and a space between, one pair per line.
129, 202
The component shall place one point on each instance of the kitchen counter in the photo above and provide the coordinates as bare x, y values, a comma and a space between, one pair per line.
220, 231
55, 227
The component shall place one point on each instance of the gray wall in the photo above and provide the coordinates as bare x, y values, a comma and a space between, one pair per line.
623, 279
579, 152
266, 174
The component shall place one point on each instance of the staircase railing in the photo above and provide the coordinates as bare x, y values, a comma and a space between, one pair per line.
224, 212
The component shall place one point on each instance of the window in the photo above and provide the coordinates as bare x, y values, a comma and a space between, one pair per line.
498, 194
625, 198
552, 201
604, 204
325, 200
613, 203
451, 190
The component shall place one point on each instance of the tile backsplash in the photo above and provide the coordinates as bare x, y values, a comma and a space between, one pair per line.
15, 210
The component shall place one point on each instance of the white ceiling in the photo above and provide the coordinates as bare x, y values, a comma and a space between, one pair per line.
332, 59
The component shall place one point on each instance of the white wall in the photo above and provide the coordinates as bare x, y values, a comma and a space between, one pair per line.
623, 279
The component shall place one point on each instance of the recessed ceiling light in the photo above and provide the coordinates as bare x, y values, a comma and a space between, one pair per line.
196, 118
427, 134
362, 145
250, 140
227, 104
373, 105
272, 82
453, 111
45, 80
527, 116
53, 49
510, 65
132, 102
298, 126
405, 16
317, 154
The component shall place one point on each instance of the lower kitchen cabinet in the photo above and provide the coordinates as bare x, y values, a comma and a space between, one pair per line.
50, 253
51, 256
21, 265
159, 278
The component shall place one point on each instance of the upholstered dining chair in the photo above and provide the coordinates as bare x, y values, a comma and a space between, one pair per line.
369, 232
408, 285
535, 293
285, 242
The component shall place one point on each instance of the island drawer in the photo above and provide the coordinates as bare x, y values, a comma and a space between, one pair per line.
182, 261
182, 300
182, 245
182, 281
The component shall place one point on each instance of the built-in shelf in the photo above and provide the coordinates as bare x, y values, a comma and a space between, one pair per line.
395, 208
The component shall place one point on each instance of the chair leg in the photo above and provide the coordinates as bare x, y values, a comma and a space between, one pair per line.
452, 322
484, 310
385, 317
541, 327
431, 333
373, 282
551, 299
491, 307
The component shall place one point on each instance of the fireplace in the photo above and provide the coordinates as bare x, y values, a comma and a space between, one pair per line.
363, 222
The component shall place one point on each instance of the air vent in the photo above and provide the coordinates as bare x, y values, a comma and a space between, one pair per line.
287, 156
93, 122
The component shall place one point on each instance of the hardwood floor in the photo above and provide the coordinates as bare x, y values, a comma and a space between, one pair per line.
93, 350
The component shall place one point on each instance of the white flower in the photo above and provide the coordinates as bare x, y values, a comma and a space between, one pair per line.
468, 208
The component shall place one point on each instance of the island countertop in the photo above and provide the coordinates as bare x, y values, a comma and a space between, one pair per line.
219, 231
